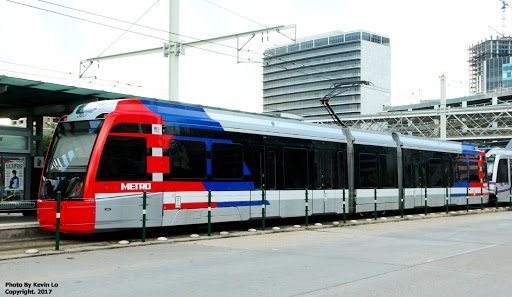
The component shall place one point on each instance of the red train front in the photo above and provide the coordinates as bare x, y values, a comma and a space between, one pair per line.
86, 152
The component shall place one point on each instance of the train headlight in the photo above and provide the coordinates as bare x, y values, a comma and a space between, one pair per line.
77, 190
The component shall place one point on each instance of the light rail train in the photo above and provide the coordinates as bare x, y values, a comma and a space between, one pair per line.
499, 165
105, 153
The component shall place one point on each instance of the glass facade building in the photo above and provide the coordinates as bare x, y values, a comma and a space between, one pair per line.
296, 76
488, 69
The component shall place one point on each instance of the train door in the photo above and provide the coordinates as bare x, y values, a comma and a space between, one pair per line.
321, 181
264, 161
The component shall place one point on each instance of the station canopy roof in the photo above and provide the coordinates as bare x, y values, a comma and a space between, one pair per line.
20, 96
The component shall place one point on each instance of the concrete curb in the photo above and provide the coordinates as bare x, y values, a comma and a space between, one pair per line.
22, 231
380, 220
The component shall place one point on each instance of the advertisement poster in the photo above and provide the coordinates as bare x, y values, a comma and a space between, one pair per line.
14, 174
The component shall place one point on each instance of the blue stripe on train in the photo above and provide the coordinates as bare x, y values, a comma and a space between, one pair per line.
241, 203
504, 190
469, 149
182, 116
229, 186
458, 195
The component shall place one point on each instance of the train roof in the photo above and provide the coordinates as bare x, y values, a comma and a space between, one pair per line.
211, 118
499, 151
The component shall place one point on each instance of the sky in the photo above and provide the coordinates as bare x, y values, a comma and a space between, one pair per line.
43, 40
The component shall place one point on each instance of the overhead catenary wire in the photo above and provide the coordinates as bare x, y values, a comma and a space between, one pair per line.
236, 13
141, 26
134, 32
72, 74
162, 39
127, 30
122, 29
80, 81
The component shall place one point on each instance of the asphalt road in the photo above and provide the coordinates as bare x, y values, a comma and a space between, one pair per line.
448, 256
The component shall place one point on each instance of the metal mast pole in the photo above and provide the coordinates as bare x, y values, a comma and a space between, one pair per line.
442, 106
174, 65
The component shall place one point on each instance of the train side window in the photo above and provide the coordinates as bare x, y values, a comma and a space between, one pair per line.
270, 177
419, 172
387, 171
341, 170
408, 173
463, 170
123, 159
187, 159
227, 161
328, 169
502, 176
316, 169
473, 170
435, 173
448, 173
368, 170
295, 168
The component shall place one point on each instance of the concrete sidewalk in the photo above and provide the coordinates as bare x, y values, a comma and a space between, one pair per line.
44, 242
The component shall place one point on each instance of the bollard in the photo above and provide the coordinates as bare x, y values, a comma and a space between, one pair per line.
57, 223
263, 209
447, 200
482, 198
209, 212
497, 194
467, 199
426, 201
375, 201
402, 202
344, 214
144, 216
510, 195
306, 208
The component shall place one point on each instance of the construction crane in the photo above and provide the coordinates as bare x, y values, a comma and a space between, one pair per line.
503, 16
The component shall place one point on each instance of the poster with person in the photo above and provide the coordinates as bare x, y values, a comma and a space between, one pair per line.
14, 174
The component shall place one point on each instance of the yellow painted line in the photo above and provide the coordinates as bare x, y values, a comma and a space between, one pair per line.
377, 225
137, 265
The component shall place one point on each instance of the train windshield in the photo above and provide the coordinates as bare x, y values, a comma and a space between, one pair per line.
68, 159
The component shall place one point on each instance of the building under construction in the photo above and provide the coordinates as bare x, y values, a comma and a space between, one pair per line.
490, 65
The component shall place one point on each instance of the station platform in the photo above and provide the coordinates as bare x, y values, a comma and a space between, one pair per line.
15, 226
